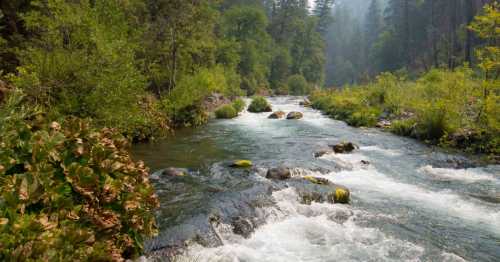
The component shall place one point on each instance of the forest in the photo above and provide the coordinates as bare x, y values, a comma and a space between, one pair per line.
82, 80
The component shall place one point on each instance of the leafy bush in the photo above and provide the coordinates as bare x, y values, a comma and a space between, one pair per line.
259, 104
68, 191
226, 112
439, 105
239, 104
298, 85
184, 103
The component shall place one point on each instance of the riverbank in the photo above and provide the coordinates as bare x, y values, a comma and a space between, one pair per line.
444, 108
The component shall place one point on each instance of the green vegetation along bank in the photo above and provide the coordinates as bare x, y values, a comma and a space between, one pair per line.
457, 108
147, 66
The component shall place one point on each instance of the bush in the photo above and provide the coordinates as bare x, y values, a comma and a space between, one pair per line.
226, 112
68, 191
297, 85
239, 105
259, 104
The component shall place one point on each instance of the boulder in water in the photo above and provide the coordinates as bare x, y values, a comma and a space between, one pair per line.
241, 164
365, 162
305, 103
174, 172
277, 115
242, 227
341, 195
294, 115
280, 173
344, 147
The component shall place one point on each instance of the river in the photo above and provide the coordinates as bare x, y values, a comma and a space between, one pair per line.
411, 203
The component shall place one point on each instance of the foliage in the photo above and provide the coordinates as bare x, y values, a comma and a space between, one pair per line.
440, 107
259, 104
226, 112
69, 192
239, 104
297, 85
184, 103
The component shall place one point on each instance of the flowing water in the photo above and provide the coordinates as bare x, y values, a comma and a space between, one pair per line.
411, 203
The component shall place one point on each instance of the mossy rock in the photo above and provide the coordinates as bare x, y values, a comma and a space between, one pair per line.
259, 104
294, 115
340, 195
317, 180
241, 164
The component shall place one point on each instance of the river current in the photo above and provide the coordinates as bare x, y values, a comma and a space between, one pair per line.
411, 203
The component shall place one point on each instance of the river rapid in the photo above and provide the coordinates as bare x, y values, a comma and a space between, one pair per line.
411, 203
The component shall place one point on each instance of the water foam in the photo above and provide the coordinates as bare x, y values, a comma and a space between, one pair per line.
372, 185
465, 175
308, 233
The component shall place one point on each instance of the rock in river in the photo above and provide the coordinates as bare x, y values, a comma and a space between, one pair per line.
174, 172
280, 173
277, 115
242, 226
241, 163
294, 115
344, 147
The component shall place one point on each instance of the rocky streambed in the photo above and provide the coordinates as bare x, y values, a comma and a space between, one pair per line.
407, 202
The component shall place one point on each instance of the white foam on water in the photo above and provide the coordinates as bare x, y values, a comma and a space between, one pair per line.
347, 161
375, 186
466, 175
307, 233
387, 152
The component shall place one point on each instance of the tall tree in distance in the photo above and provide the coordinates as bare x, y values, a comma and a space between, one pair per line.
323, 11
373, 28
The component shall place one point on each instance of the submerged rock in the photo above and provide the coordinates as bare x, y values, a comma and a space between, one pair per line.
322, 153
294, 115
344, 147
365, 162
277, 115
241, 163
315, 189
280, 173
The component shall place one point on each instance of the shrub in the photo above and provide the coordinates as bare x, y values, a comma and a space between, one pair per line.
68, 191
239, 104
298, 85
259, 104
226, 112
